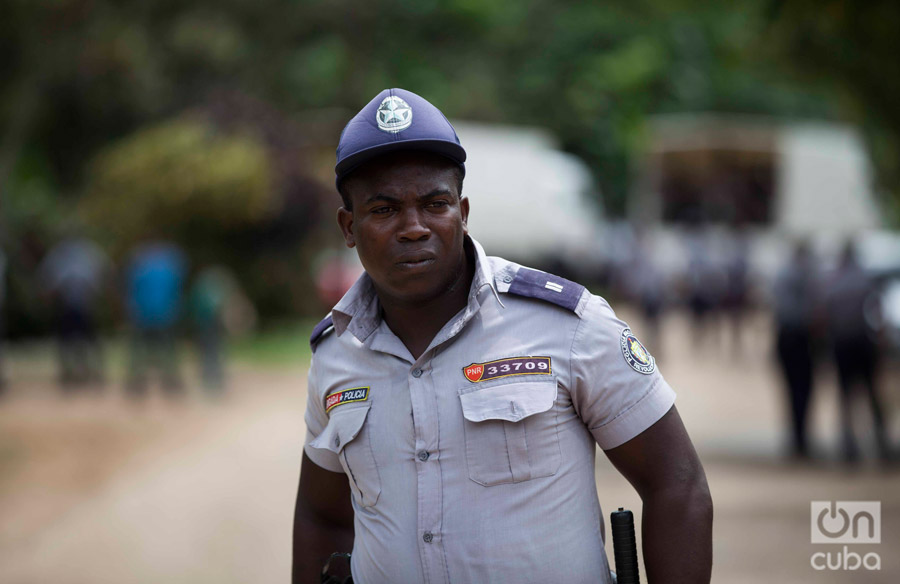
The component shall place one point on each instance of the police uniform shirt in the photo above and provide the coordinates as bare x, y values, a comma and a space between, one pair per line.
475, 462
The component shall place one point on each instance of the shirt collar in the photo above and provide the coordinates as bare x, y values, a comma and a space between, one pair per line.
360, 312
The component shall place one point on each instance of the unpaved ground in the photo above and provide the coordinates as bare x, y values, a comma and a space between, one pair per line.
97, 489
101, 489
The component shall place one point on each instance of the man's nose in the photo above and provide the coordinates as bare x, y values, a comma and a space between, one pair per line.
413, 226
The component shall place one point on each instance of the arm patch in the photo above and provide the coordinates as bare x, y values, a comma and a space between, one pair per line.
319, 331
547, 287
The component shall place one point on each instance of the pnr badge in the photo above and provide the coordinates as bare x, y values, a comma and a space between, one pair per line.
635, 354
393, 115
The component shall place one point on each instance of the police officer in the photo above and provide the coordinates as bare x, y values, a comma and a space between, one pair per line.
455, 399
796, 297
851, 306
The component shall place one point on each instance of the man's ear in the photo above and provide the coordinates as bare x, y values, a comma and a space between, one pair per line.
464, 211
345, 222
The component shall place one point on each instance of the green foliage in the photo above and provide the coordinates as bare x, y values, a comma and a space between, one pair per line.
161, 180
592, 73
31, 201
851, 49
32, 214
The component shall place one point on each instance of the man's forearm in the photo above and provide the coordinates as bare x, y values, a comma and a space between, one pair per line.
677, 535
314, 542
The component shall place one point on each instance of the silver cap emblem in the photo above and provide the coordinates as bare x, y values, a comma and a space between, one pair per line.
393, 115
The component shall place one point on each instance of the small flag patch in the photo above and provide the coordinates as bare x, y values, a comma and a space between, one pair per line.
346, 396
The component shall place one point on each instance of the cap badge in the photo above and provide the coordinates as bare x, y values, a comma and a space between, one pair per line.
393, 115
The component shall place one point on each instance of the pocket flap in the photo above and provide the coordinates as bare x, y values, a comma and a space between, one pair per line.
342, 428
511, 402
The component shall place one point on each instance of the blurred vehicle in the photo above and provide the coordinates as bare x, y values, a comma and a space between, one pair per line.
531, 202
775, 182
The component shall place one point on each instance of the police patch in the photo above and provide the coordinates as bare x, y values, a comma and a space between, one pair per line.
636, 355
345, 396
507, 367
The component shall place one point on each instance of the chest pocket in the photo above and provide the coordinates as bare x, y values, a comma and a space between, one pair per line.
511, 431
346, 435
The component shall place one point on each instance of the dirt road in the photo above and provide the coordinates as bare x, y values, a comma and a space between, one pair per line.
96, 489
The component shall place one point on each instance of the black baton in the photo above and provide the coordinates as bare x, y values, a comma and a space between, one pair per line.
621, 523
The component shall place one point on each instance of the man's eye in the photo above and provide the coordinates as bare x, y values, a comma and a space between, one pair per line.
437, 204
381, 210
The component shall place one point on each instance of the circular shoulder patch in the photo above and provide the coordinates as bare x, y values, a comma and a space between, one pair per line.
636, 355
393, 115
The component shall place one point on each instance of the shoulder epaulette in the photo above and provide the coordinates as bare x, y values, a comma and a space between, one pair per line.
319, 331
544, 286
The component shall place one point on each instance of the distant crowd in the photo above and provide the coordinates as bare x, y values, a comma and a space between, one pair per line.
843, 310
155, 296
819, 314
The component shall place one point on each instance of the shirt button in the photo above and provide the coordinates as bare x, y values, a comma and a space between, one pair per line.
428, 537
417, 373
423, 456
507, 279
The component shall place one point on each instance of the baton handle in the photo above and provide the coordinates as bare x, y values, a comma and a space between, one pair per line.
624, 546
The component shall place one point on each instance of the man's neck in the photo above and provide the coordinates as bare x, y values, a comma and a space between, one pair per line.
416, 324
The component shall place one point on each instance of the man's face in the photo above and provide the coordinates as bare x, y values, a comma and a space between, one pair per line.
407, 225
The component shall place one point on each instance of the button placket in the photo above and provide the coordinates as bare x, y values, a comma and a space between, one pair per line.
428, 471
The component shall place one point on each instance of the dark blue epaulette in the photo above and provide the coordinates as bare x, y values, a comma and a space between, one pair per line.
544, 286
319, 331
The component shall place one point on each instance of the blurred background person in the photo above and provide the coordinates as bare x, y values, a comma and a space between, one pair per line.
154, 288
852, 316
648, 283
705, 284
206, 305
218, 308
795, 297
73, 277
737, 288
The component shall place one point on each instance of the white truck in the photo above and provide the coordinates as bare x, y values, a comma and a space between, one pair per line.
530, 202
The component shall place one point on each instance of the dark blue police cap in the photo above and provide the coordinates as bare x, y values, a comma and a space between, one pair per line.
396, 120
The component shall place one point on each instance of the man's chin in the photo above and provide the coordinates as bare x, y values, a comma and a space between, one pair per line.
415, 290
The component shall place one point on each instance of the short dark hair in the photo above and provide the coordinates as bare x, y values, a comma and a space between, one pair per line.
348, 203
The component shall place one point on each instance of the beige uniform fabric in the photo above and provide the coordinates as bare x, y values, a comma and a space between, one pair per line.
456, 480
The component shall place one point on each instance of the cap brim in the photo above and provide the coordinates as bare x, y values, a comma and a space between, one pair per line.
450, 150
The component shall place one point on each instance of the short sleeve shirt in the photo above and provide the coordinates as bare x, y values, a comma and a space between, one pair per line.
475, 462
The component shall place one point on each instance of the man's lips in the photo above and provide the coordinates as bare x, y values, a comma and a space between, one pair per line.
415, 260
